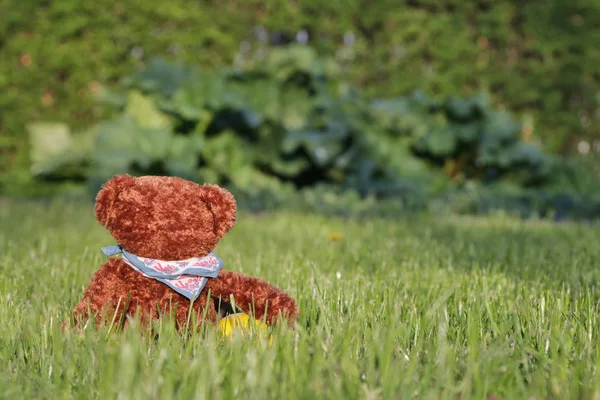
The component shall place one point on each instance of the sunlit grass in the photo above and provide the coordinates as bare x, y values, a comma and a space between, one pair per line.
407, 308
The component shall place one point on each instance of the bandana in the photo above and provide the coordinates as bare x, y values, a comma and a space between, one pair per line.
186, 277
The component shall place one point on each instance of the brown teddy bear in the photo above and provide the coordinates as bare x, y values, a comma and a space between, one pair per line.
166, 229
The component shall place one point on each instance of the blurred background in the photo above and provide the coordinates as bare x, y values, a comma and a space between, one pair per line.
347, 107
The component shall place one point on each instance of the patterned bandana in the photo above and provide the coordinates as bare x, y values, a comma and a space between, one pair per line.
186, 277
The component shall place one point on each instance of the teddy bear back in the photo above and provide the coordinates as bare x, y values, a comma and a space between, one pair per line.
163, 217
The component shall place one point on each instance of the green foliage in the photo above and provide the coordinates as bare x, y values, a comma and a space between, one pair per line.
279, 122
467, 138
540, 58
285, 122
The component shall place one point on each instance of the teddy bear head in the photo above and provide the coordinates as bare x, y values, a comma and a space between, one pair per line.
165, 218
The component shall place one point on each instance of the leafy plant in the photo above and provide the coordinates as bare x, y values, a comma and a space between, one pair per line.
277, 122
285, 122
467, 138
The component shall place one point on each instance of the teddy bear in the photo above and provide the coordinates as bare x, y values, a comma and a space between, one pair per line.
166, 229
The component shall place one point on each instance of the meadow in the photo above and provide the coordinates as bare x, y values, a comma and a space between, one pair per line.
411, 307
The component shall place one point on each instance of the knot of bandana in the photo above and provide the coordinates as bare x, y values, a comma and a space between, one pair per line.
187, 277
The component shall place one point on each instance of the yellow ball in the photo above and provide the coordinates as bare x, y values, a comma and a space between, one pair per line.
240, 323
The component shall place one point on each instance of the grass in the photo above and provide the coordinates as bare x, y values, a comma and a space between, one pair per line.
407, 308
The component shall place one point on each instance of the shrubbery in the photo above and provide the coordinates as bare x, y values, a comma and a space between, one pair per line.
534, 57
285, 122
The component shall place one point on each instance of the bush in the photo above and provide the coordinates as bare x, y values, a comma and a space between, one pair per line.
467, 138
280, 122
285, 122
535, 58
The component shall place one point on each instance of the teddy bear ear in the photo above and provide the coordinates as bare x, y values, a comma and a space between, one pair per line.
222, 205
108, 194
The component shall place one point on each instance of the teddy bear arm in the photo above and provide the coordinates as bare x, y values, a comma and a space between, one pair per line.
99, 297
254, 296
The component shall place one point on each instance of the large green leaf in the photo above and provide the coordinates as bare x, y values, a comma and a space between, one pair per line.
467, 133
401, 116
144, 110
500, 127
296, 106
439, 142
481, 103
261, 93
159, 76
57, 153
529, 153
322, 147
47, 140
183, 155
122, 142
459, 110
227, 154
388, 109
202, 92
289, 168
283, 62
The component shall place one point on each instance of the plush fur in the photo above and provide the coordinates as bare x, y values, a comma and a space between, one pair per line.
169, 218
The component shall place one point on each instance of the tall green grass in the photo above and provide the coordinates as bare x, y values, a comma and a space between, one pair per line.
407, 308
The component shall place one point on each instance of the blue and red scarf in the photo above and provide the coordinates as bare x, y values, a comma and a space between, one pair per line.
187, 277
